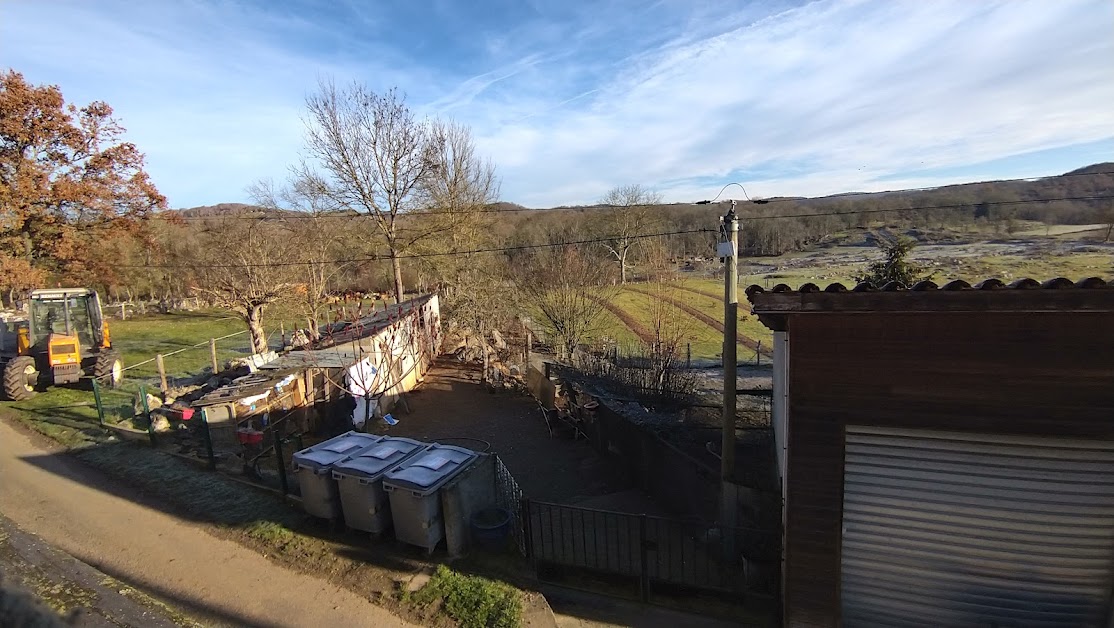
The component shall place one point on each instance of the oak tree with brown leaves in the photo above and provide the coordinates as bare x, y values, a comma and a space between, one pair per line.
68, 185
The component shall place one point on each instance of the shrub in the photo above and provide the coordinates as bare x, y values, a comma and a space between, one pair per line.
473, 601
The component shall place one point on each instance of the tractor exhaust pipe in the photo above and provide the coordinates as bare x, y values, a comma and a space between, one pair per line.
66, 311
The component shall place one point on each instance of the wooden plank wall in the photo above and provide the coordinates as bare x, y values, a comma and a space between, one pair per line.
1020, 373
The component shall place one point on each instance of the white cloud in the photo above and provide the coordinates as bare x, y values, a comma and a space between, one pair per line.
856, 90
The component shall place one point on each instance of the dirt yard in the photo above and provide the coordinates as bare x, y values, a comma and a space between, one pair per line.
453, 408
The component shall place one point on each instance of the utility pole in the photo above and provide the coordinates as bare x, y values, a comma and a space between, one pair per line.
730, 324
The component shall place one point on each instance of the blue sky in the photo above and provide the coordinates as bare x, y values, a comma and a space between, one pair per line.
572, 98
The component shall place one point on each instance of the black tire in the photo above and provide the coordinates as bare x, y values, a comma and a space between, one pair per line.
109, 369
20, 378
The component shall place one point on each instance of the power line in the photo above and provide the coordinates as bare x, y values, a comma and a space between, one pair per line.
296, 215
375, 258
524, 247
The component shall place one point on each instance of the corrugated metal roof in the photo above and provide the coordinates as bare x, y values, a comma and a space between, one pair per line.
332, 358
1059, 283
344, 331
992, 295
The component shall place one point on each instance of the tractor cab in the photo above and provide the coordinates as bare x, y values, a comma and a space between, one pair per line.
64, 338
66, 325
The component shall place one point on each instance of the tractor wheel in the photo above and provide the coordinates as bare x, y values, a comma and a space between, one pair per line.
20, 378
109, 370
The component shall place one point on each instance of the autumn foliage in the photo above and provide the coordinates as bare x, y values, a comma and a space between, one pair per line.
70, 187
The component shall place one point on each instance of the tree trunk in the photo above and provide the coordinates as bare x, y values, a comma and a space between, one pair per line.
254, 319
396, 266
483, 349
623, 266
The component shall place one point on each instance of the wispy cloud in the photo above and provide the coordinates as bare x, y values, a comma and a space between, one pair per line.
570, 99
855, 91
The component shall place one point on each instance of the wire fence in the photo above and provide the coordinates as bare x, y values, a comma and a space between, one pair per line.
151, 383
211, 343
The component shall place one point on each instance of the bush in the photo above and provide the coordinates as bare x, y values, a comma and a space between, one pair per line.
473, 601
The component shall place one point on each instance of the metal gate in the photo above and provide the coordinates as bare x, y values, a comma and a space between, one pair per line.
657, 553
976, 529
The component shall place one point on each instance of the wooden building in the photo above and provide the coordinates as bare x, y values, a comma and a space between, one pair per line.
946, 453
389, 351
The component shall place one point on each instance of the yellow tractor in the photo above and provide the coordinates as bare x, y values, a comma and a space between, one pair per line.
64, 339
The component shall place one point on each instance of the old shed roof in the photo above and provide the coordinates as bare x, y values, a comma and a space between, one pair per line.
1024, 295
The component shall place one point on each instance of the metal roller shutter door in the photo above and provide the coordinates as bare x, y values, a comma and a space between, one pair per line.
951, 529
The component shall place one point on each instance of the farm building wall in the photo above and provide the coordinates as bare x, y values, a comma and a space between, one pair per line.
403, 351
1036, 373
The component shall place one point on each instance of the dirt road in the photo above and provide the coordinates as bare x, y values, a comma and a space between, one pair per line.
66, 584
105, 525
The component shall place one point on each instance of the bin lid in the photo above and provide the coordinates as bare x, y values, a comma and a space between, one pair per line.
430, 469
324, 455
376, 460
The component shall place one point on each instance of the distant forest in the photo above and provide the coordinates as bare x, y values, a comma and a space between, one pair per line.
775, 227
769, 229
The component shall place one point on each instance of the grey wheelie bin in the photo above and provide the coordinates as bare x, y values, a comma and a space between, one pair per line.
314, 468
359, 479
414, 491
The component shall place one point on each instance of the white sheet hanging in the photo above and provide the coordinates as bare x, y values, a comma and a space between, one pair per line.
363, 412
361, 378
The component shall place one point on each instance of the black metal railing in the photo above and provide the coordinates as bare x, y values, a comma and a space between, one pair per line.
509, 495
660, 553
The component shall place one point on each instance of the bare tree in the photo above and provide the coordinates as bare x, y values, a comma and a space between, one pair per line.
458, 194
568, 289
662, 372
243, 265
658, 259
1106, 215
671, 328
631, 214
373, 154
313, 222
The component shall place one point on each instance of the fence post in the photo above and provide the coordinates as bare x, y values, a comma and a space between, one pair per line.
213, 355
644, 579
528, 540
688, 355
97, 398
280, 462
162, 373
208, 440
147, 413
758, 354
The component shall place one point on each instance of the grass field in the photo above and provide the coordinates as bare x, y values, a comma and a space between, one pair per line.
1008, 261
706, 342
698, 294
69, 415
140, 338
942, 264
